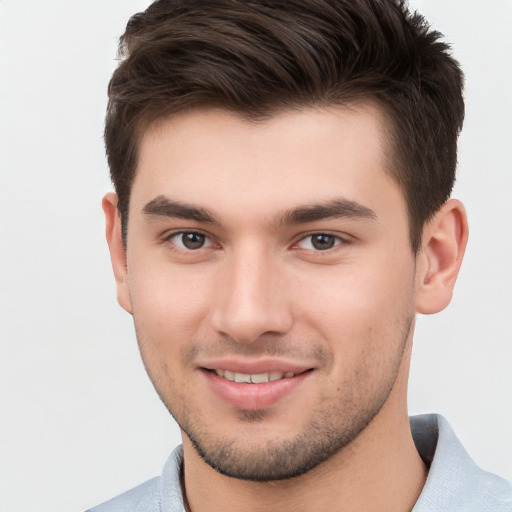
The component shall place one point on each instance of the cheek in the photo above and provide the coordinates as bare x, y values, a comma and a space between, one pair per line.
359, 306
169, 304
168, 311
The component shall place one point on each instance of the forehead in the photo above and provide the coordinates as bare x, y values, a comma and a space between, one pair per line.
223, 161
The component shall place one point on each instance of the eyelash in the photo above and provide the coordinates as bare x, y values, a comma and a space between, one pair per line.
174, 235
337, 241
209, 243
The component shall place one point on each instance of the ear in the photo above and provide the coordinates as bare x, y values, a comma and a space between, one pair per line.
443, 244
117, 250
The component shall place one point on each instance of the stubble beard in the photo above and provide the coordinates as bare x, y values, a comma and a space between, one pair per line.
279, 459
334, 423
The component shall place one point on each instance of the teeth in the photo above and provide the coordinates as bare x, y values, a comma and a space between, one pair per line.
259, 378
242, 377
255, 378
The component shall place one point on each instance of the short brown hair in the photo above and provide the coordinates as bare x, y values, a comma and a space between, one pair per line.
260, 57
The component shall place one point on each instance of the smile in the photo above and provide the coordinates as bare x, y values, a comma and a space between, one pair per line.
254, 378
256, 390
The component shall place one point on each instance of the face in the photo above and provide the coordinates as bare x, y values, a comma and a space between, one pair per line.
271, 280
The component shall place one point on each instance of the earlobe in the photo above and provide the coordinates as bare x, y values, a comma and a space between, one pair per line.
117, 250
443, 245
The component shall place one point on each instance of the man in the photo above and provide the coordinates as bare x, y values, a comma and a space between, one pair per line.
283, 173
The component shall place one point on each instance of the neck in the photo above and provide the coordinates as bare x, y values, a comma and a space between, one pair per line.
377, 472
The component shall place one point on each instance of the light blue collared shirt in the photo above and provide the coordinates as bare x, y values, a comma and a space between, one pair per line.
454, 484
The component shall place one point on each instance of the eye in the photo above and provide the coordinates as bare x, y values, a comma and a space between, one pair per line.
319, 242
190, 240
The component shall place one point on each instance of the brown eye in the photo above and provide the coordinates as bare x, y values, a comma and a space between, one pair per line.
190, 240
322, 242
319, 242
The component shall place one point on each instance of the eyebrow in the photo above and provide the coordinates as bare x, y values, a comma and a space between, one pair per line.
163, 206
334, 209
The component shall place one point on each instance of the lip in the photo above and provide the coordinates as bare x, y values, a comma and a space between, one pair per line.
256, 366
254, 397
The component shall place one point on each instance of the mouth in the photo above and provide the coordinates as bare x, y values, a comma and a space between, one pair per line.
254, 378
256, 390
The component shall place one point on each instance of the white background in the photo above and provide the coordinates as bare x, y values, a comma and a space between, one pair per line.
79, 420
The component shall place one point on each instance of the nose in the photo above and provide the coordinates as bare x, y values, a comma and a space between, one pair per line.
252, 300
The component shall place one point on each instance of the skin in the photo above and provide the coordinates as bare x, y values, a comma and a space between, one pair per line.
258, 291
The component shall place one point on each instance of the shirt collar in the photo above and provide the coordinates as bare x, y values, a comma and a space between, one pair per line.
454, 483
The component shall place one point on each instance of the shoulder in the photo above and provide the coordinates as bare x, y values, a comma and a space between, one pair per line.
143, 497
159, 493
455, 483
